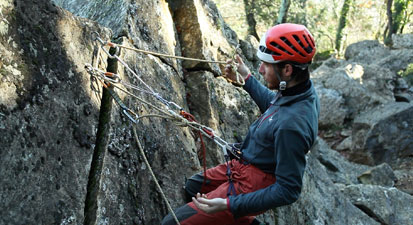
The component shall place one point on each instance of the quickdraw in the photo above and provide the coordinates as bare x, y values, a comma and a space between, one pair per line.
114, 79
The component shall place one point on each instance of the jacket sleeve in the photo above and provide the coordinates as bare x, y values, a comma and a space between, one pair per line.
261, 95
291, 147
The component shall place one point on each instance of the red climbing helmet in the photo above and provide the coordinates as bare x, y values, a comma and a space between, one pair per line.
287, 42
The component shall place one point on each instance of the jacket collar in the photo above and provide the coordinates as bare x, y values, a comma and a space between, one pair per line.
280, 99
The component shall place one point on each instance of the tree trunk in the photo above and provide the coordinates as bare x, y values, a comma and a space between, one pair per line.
342, 23
406, 17
282, 14
249, 6
303, 5
400, 7
389, 31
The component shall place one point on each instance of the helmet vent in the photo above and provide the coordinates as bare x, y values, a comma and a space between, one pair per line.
277, 46
308, 49
311, 39
299, 41
268, 51
291, 46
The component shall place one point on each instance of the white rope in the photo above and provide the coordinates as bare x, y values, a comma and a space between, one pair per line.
153, 175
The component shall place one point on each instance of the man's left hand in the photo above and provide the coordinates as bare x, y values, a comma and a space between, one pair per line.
209, 205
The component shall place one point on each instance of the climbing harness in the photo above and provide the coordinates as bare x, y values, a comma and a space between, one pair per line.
170, 109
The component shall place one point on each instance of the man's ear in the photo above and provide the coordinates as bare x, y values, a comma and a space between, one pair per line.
288, 70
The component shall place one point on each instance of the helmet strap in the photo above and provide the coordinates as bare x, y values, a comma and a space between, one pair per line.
283, 84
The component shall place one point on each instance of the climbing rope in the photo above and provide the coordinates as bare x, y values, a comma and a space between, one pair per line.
239, 79
182, 118
153, 175
113, 79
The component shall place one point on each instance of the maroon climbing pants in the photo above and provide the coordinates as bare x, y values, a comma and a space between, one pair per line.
246, 178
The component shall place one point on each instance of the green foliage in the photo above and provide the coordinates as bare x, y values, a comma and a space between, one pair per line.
366, 19
266, 13
319, 57
407, 74
342, 23
399, 13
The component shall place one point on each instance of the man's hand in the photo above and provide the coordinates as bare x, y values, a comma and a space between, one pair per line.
241, 68
209, 205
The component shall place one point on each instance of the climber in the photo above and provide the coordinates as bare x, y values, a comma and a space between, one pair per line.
270, 170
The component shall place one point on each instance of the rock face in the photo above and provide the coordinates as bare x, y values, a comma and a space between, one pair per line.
331, 181
364, 93
347, 80
202, 33
52, 133
321, 196
220, 106
48, 114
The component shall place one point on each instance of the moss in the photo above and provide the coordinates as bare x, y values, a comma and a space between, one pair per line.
235, 134
320, 57
407, 74
3, 71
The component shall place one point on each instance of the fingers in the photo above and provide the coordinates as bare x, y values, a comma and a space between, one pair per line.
198, 195
239, 59
202, 199
228, 68
201, 203
209, 205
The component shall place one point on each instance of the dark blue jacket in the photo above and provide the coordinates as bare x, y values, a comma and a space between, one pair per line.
277, 143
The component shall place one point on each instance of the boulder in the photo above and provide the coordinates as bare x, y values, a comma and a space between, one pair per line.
397, 60
368, 52
333, 109
402, 41
338, 168
373, 52
382, 175
385, 205
384, 135
378, 80
357, 97
321, 201
345, 144
249, 48
404, 180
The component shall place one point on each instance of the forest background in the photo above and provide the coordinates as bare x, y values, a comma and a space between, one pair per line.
335, 24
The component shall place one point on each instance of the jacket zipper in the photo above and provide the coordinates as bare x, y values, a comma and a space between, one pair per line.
262, 121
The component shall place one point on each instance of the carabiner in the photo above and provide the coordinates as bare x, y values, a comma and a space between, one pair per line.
125, 111
96, 37
107, 52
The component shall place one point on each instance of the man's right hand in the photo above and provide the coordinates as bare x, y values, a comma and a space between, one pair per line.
241, 68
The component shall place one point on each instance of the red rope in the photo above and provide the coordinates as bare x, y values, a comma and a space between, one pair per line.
191, 118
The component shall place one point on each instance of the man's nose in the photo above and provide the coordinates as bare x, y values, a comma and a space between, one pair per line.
261, 69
